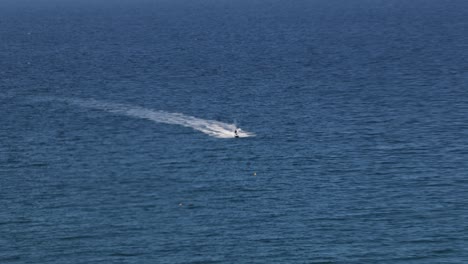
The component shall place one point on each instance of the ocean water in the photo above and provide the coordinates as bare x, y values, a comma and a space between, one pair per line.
117, 142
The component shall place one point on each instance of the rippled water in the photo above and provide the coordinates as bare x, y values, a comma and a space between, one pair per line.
116, 125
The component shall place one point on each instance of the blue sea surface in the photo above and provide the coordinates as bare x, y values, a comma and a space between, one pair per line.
115, 121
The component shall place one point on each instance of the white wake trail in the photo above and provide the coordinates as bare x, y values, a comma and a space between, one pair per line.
210, 127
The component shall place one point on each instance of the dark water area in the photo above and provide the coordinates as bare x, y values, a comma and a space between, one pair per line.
359, 110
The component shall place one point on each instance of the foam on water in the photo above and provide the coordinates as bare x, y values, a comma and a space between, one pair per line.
212, 128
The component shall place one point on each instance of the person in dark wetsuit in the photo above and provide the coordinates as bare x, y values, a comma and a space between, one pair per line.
235, 132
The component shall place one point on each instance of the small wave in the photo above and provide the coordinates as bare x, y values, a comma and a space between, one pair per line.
212, 128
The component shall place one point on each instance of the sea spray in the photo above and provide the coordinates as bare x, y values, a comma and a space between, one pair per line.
212, 128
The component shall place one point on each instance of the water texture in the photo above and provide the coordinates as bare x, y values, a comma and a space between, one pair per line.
117, 120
